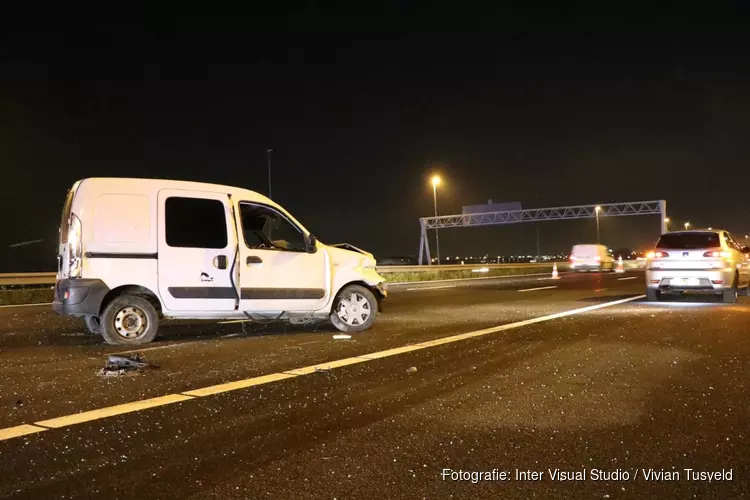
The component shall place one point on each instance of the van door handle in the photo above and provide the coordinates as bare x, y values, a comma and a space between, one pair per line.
253, 260
220, 261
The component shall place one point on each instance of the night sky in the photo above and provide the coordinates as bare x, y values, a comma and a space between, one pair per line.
546, 108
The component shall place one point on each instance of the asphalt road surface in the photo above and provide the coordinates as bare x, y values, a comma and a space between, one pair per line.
493, 376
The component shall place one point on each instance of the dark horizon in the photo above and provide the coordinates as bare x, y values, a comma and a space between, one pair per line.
358, 123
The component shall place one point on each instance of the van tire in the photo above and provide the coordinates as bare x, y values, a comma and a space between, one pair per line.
93, 325
365, 299
119, 315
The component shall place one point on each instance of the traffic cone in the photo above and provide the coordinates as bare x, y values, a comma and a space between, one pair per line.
620, 266
555, 275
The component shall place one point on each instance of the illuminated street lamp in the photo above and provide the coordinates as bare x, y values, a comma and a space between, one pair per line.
435, 184
666, 223
687, 225
597, 210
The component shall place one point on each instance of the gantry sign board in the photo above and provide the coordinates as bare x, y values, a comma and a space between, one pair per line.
658, 207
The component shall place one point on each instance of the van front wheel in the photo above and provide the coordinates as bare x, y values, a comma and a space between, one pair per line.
354, 309
129, 320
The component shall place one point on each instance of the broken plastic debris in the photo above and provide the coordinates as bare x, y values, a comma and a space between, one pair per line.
413, 369
120, 365
342, 337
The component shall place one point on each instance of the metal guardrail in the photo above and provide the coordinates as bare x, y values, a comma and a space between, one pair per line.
466, 267
15, 279
27, 278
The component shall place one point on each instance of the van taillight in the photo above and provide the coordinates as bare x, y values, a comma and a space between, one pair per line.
75, 247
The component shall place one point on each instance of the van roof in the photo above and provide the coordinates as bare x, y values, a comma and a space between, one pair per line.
145, 185
155, 183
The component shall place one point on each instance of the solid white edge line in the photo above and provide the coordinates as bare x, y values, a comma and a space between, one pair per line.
431, 287
538, 288
628, 278
87, 416
26, 305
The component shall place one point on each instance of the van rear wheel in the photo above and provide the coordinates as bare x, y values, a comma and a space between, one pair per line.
129, 320
354, 309
93, 325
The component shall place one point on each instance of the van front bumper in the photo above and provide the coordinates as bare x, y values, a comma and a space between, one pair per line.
79, 297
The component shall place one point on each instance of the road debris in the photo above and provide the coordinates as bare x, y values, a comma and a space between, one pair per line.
342, 337
122, 365
413, 369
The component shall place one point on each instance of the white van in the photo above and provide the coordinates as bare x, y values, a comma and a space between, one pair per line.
591, 258
134, 250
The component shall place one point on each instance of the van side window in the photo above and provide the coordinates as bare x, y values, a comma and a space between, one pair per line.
265, 228
195, 223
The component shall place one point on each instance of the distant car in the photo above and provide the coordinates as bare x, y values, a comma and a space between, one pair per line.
708, 261
591, 258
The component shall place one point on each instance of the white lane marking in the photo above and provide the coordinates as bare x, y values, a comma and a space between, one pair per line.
151, 348
530, 275
88, 416
431, 287
628, 278
538, 288
18, 431
110, 411
233, 321
27, 305
240, 384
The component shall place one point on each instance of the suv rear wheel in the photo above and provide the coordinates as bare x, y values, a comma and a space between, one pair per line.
653, 295
730, 296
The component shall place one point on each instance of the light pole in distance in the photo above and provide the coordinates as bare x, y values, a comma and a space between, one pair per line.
435, 184
268, 158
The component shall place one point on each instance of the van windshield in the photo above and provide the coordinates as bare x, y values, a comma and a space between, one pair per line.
686, 241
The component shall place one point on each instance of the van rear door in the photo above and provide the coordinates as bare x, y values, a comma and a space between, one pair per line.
197, 246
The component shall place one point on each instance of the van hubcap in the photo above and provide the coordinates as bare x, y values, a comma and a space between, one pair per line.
131, 322
354, 310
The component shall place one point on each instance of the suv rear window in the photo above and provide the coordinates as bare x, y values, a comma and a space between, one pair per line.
686, 241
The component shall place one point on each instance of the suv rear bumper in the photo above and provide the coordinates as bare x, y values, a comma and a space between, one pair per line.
79, 297
714, 280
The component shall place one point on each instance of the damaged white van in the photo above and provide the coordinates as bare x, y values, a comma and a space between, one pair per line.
135, 250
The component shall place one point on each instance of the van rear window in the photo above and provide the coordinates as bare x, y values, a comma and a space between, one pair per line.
67, 206
686, 241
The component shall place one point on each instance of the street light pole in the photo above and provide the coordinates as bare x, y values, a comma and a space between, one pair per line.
435, 182
268, 157
597, 210
437, 237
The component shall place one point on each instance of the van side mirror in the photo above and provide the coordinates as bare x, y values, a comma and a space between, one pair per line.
312, 244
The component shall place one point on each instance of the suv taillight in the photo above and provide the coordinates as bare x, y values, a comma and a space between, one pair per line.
716, 253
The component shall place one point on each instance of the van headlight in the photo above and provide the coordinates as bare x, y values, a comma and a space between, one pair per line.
75, 250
